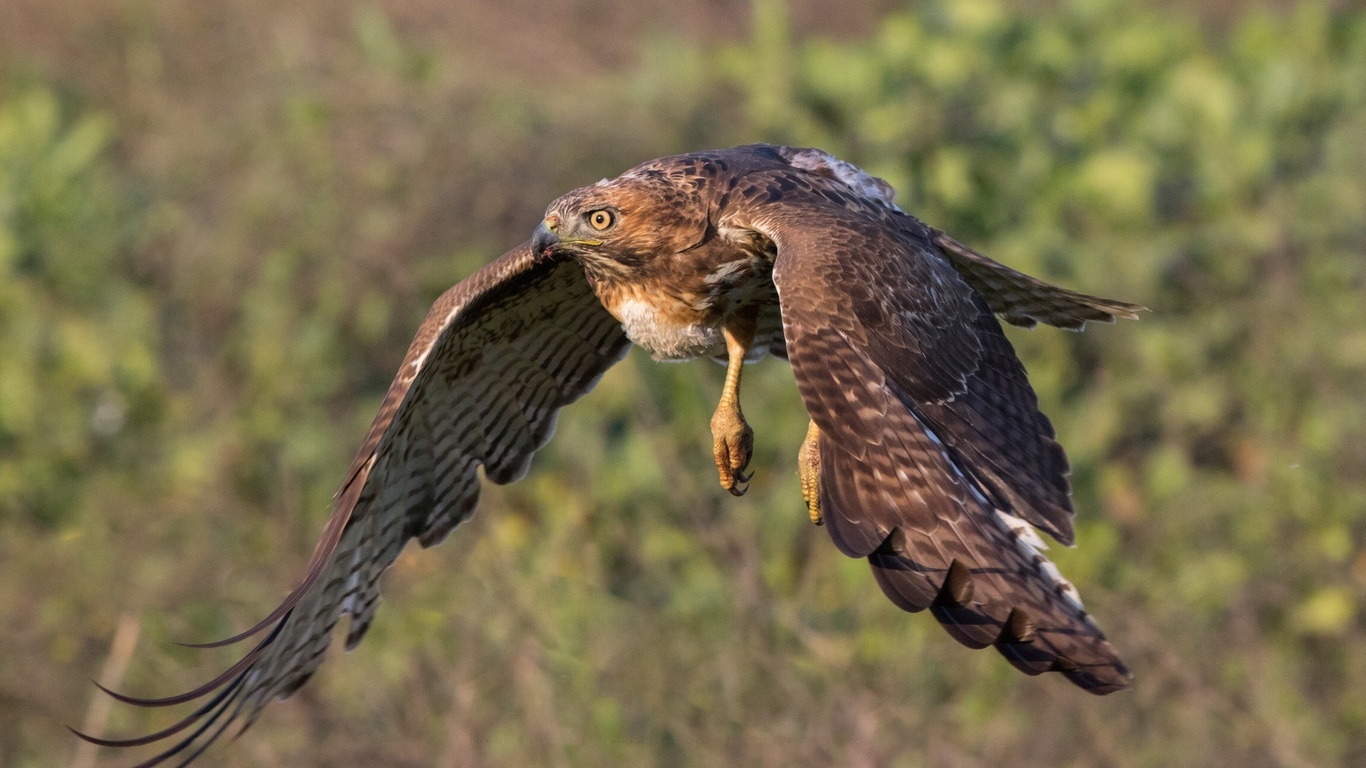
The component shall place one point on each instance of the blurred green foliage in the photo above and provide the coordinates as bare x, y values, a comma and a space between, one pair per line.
79, 350
208, 276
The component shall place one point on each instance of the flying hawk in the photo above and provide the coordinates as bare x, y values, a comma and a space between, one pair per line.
926, 451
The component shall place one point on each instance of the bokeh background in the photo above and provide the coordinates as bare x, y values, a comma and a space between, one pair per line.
221, 221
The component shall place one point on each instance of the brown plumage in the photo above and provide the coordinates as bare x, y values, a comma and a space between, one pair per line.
929, 458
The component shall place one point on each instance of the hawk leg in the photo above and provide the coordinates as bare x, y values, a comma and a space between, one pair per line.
809, 470
732, 438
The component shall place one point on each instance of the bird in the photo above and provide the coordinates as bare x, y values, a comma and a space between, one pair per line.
926, 453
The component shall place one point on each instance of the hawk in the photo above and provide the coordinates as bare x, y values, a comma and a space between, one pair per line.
926, 452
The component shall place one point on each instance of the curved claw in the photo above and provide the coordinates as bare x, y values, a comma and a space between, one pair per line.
741, 485
733, 448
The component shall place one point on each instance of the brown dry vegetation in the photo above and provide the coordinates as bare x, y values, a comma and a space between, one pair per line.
221, 221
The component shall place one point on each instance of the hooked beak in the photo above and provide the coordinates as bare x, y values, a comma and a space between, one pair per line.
545, 237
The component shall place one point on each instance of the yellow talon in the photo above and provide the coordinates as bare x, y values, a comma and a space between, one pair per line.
809, 470
732, 444
732, 438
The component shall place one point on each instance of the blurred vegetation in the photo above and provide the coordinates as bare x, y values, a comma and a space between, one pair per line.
220, 223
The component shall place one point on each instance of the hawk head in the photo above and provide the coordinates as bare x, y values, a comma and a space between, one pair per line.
620, 225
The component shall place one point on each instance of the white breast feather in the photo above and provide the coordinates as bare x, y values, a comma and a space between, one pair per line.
666, 340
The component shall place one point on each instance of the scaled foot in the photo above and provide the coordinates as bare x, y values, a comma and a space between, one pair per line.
809, 470
733, 446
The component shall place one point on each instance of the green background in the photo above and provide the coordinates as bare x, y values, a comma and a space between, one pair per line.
220, 223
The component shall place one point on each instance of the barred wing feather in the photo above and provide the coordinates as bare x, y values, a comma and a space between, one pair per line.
483, 380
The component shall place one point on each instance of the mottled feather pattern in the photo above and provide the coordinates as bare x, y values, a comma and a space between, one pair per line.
1018, 298
489, 368
490, 396
1006, 443
928, 427
907, 507
935, 462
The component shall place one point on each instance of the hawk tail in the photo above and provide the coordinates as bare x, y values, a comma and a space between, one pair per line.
988, 586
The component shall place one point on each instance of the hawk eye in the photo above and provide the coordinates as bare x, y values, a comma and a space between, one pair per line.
601, 219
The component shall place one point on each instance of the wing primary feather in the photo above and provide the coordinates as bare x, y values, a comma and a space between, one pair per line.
485, 330
236, 669
1026, 301
332, 534
208, 742
188, 741
175, 728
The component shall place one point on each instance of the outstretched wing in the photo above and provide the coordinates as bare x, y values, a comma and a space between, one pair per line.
1027, 301
497, 357
933, 450
1016, 297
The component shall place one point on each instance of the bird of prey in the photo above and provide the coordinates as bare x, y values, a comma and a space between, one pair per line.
926, 452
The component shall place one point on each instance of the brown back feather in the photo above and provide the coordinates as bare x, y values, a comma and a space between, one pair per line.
928, 428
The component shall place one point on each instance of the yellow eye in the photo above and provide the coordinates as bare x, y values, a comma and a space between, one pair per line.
601, 220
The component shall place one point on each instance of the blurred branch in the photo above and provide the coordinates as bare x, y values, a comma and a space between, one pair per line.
97, 717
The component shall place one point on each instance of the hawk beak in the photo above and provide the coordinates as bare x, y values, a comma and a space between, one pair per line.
545, 237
